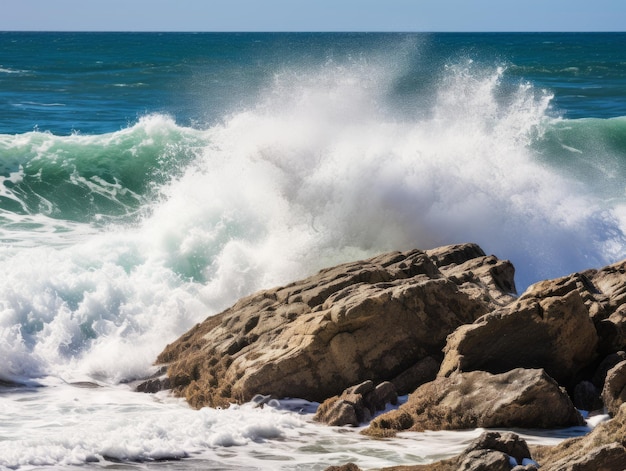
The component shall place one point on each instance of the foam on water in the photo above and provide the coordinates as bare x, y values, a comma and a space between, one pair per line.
323, 170
63, 425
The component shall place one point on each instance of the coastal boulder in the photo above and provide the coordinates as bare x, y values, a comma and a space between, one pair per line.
602, 449
548, 327
614, 392
369, 320
526, 398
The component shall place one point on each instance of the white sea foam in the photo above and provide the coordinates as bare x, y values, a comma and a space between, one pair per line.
321, 171
63, 425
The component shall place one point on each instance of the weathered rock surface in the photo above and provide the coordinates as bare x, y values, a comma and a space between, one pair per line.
357, 404
518, 398
548, 327
368, 320
601, 450
506, 442
609, 309
614, 392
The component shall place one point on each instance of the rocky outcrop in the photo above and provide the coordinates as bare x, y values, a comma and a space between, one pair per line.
442, 324
518, 398
370, 320
548, 327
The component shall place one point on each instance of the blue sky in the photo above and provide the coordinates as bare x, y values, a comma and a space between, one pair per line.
314, 15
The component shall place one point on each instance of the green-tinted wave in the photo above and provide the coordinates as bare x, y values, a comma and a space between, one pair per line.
591, 150
92, 178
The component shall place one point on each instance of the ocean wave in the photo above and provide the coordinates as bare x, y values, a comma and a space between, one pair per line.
88, 178
324, 169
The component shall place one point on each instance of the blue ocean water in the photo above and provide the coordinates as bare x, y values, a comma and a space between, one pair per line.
149, 180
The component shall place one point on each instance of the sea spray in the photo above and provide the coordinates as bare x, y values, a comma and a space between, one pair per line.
250, 165
319, 172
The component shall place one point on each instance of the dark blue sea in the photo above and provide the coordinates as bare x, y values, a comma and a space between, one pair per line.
149, 180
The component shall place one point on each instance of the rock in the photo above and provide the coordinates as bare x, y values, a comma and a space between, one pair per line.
519, 398
488, 452
611, 282
356, 404
605, 365
337, 411
345, 467
424, 371
610, 312
385, 393
614, 392
602, 449
506, 442
587, 396
472, 270
369, 320
612, 331
548, 327
485, 460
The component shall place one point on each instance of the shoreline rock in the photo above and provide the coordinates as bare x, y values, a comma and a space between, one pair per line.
444, 325
517, 399
369, 320
604, 448
357, 404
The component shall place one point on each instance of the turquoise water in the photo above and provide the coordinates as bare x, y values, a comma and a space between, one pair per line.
150, 180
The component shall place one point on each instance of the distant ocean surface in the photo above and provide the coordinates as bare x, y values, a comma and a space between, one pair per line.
149, 180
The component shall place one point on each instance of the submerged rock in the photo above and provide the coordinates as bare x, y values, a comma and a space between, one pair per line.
518, 398
370, 320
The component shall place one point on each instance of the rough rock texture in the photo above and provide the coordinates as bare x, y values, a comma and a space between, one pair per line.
601, 450
548, 327
518, 398
485, 460
368, 320
473, 272
609, 309
423, 371
599, 376
357, 404
345, 467
614, 392
506, 442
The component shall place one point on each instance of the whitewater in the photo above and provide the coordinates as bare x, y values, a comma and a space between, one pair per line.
115, 242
